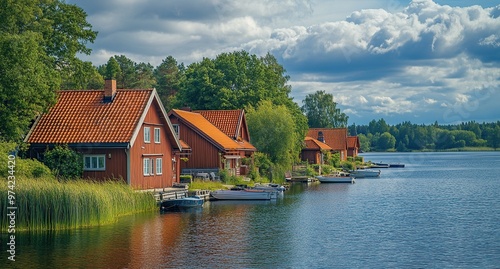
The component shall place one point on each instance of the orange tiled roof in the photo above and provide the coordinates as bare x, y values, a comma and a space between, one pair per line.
312, 143
227, 121
352, 142
201, 124
336, 138
83, 117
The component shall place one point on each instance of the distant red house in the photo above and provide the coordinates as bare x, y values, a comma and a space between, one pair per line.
219, 139
120, 133
313, 151
336, 138
353, 146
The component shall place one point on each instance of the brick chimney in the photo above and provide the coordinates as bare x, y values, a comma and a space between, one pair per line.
321, 137
109, 90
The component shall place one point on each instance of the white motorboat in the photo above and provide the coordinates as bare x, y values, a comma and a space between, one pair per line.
360, 173
245, 194
335, 179
269, 187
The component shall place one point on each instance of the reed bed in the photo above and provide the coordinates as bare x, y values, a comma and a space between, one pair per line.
47, 204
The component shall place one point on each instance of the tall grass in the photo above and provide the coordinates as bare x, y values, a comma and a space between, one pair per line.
47, 204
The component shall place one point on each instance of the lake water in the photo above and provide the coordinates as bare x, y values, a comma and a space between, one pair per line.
441, 211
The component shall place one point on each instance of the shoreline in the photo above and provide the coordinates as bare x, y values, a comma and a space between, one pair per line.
469, 149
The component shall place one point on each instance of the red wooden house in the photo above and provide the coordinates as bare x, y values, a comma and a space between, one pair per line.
336, 138
353, 146
218, 139
313, 151
120, 133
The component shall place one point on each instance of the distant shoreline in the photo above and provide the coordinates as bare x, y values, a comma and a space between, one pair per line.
466, 149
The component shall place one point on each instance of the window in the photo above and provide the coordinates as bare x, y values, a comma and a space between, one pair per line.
176, 129
94, 163
147, 167
147, 135
159, 166
157, 135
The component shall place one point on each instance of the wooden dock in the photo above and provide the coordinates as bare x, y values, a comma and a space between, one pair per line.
177, 191
203, 194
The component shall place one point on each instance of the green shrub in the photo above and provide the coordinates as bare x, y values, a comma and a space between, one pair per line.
64, 162
22, 167
312, 170
347, 165
186, 178
223, 175
327, 169
205, 185
32, 168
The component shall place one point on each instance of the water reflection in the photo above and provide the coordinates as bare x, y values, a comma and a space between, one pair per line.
407, 218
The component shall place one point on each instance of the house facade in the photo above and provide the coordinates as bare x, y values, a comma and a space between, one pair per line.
313, 151
353, 146
122, 134
336, 138
218, 139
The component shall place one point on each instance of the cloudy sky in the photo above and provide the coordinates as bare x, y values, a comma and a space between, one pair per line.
420, 61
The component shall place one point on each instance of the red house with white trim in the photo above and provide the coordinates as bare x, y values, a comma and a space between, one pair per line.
314, 150
219, 139
122, 134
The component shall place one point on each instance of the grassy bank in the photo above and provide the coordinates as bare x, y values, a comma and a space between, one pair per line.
47, 204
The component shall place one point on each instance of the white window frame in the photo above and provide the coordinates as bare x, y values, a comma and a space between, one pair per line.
159, 166
157, 135
94, 166
177, 129
147, 135
147, 167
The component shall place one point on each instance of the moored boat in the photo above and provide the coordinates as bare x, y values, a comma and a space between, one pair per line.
360, 173
387, 165
269, 187
380, 165
245, 194
335, 179
181, 203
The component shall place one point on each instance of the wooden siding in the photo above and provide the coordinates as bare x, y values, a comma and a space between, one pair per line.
115, 164
204, 154
244, 133
311, 156
152, 150
352, 152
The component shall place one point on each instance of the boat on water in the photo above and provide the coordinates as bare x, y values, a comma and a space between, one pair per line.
388, 165
181, 203
380, 165
335, 179
360, 173
269, 187
245, 194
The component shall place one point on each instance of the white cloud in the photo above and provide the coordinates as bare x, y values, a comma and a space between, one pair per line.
377, 57
430, 101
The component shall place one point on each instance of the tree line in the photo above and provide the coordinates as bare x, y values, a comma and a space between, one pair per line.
380, 136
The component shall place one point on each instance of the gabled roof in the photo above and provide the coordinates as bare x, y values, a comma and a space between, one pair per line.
353, 142
314, 144
205, 128
81, 117
336, 138
228, 121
